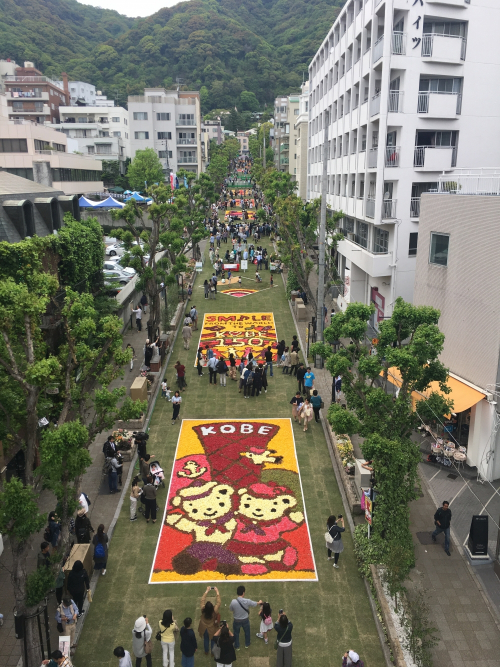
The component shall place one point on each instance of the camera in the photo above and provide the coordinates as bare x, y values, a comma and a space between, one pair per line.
212, 588
281, 611
223, 623
340, 516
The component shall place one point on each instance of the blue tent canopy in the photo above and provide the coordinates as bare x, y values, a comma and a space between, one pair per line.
109, 203
137, 197
86, 203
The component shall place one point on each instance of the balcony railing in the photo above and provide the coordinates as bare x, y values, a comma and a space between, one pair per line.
398, 44
378, 49
375, 105
389, 208
187, 160
424, 98
370, 207
372, 158
415, 207
471, 182
392, 156
185, 141
395, 101
354, 238
419, 155
186, 121
428, 44
284, 160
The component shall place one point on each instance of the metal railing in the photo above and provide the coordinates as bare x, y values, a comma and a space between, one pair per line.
415, 207
185, 141
354, 238
398, 44
187, 160
423, 100
419, 155
392, 156
372, 158
395, 104
471, 182
370, 207
375, 105
186, 121
378, 49
389, 208
428, 44
31, 79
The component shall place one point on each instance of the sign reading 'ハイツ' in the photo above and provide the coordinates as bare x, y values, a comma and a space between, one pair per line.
239, 334
235, 508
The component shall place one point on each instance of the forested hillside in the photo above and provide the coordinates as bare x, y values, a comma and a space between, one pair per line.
220, 47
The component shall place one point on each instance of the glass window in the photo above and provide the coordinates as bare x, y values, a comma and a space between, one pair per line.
116, 119
22, 172
162, 116
412, 247
13, 146
381, 241
140, 115
363, 234
164, 135
439, 249
141, 135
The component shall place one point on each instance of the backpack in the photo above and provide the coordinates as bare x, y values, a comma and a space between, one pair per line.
99, 551
249, 378
268, 620
47, 534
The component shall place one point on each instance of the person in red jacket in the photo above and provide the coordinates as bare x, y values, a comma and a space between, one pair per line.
181, 373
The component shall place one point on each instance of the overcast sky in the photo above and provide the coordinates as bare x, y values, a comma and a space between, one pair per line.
132, 7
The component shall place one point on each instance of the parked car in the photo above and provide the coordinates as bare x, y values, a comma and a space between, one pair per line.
115, 249
112, 265
117, 276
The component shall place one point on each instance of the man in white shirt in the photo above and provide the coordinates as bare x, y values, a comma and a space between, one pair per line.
83, 502
138, 316
212, 368
193, 314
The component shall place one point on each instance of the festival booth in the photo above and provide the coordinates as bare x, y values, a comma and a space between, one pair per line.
83, 202
231, 267
109, 203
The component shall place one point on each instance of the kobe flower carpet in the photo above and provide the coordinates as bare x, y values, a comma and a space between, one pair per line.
235, 506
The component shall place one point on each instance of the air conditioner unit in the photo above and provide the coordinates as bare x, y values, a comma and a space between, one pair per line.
350, 236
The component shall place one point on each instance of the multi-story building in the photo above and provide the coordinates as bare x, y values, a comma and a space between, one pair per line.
213, 129
80, 93
243, 140
169, 121
402, 88
280, 133
301, 142
454, 246
32, 96
293, 111
39, 153
102, 132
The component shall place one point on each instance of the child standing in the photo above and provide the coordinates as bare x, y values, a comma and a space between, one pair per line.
266, 622
135, 493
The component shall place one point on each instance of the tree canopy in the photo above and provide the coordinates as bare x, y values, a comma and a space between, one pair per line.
145, 170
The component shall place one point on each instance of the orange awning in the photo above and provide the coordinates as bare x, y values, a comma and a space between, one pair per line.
462, 395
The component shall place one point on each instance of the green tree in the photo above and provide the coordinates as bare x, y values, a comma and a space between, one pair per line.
145, 170
249, 101
408, 347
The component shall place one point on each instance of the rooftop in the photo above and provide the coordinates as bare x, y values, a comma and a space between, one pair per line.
15, 185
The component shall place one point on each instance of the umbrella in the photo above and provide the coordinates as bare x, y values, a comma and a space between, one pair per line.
109, 203
117, 189
86, 203
127, 192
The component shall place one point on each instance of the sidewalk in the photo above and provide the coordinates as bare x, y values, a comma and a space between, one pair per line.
102, 510
464, 599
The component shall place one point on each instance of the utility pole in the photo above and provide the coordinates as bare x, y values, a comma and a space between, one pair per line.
320, 317
264, 153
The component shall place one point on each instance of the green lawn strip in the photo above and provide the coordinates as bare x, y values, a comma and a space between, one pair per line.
329, 616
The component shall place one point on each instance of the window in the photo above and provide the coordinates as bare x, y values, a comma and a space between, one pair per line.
162, 116
115, 119
22, 172
66, 175
103, 149
412, 247
17, 106
13, 146
38, 106
91, 150
164, 135
381, 242
296, 112
439, 249
164, 154
82, 119
141, 135
117, 134
140, 115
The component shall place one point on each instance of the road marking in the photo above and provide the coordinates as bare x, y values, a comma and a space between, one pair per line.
434, 476
458, 493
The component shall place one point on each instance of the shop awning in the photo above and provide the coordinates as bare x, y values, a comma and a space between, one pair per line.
463, 395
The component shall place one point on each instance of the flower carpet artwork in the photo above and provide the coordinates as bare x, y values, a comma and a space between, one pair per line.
239, 334
235, 508
238, 292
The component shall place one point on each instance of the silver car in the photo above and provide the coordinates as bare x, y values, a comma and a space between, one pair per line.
117, 275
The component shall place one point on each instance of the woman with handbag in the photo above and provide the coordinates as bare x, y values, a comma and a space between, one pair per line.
283, 643
78, 584
209, 620
225, 652
306, 413
166, 635
141, 641
333, 537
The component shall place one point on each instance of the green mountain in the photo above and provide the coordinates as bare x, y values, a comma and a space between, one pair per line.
220, 47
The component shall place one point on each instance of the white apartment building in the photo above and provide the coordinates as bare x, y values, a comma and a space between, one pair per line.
102, 132
169, 121
301, 143
409, 91
280, 133
80, 93
292, 114
212, 129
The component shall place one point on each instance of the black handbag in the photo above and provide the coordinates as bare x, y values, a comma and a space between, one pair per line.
216, 650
